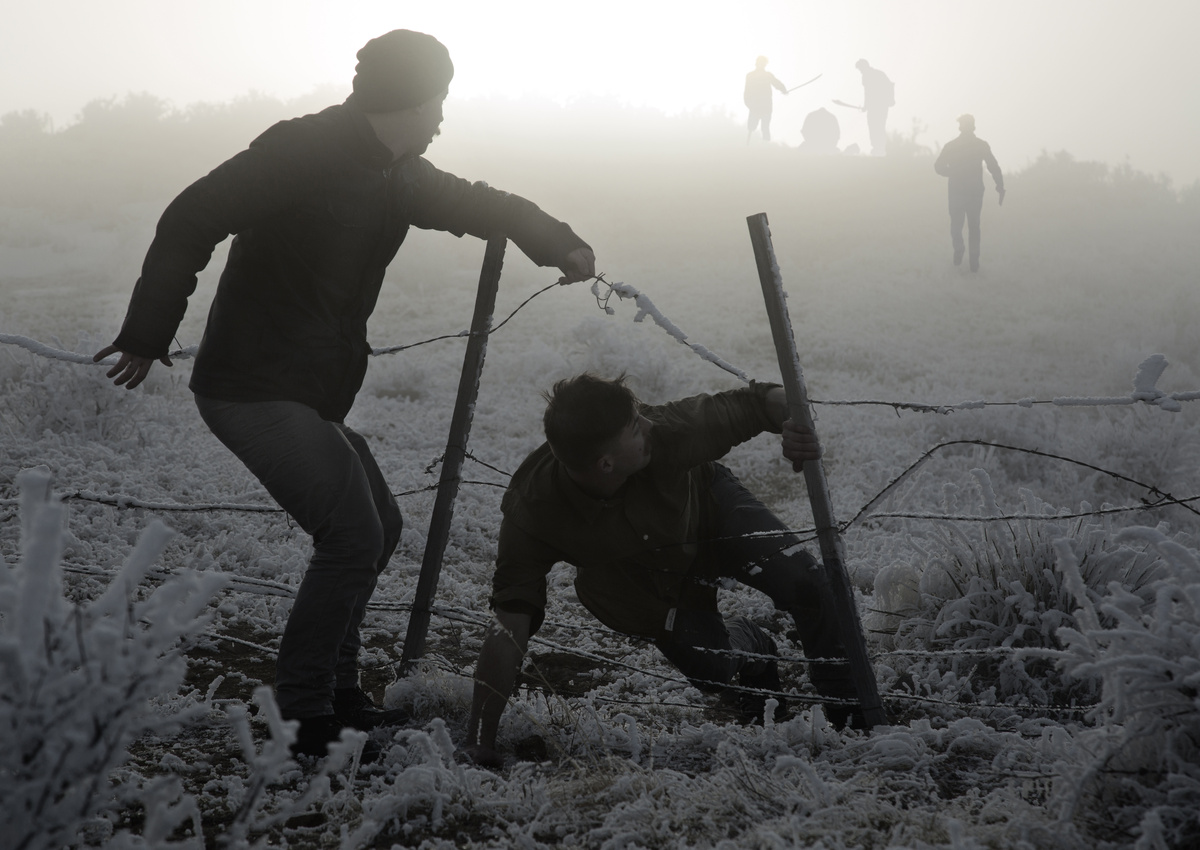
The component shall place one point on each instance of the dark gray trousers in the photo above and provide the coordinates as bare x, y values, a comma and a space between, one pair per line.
773, 563
323, 474
966, 205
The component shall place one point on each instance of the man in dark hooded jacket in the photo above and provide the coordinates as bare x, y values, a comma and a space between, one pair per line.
318, 206
962, 160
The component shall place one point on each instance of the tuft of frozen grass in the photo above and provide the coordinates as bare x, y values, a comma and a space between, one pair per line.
992, 585
1142, 771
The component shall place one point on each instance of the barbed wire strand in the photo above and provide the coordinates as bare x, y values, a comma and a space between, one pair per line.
646, 307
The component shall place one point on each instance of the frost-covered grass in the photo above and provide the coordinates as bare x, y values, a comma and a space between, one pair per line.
1040, 658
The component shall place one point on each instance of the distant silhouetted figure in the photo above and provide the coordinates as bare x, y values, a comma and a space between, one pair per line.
758, 97
821, 132
879, 95
962, 160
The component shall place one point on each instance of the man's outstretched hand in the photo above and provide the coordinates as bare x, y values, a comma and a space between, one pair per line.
131, 369
579, 265
799, 445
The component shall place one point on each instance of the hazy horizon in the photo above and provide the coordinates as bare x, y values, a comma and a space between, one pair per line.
1090, 78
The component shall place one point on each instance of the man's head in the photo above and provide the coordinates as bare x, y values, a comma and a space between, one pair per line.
400, 81
399, 70
590, 420
966, 123
862, 64
760, 62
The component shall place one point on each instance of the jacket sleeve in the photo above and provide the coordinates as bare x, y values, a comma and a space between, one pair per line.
522, 563
437, 200
252, 185
705, 427
993, 167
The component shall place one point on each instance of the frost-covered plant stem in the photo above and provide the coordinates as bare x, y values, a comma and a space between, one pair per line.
80, 678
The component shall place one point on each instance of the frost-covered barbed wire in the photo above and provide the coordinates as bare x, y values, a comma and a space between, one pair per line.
1145, 389
1161, 499
646, 308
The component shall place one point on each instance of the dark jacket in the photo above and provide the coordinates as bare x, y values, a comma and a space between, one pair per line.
635, 554
319, 210
962, 160
757, 94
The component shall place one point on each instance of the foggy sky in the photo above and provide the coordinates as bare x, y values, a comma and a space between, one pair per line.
1104, 80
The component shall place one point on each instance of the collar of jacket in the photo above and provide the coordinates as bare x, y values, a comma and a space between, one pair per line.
375, 152
587, 506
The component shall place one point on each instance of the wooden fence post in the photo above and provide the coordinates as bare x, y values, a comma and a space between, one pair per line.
456, 451
846, 612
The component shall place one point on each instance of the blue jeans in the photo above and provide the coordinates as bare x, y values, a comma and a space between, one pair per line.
775, 565
322, 473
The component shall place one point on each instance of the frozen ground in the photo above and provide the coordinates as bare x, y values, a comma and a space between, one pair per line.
1085, 275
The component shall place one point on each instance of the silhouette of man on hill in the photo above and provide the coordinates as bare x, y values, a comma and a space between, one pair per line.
879, 95
758, 98
962, 160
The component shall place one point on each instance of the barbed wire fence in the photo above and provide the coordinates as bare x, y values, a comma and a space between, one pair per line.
1145, 392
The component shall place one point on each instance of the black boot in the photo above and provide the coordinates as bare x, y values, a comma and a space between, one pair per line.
353, 708
752, 706
316, 734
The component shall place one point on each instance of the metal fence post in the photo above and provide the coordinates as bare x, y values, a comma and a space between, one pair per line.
846, 612
456, 450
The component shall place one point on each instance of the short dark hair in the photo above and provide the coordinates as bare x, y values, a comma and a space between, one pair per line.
584, 414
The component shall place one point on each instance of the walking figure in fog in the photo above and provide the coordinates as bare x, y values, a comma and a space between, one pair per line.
632, 495
879, 95
319, 206
962, 160
758, 98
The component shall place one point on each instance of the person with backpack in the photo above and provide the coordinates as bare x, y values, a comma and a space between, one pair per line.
879, 95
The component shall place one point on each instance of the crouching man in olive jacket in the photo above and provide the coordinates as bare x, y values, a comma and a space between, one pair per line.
633, 497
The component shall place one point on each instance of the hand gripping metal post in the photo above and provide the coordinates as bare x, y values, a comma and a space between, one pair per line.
799, 409
456, 451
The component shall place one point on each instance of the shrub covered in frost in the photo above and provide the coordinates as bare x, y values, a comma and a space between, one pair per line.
992, 585
1142, 773
79, 681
